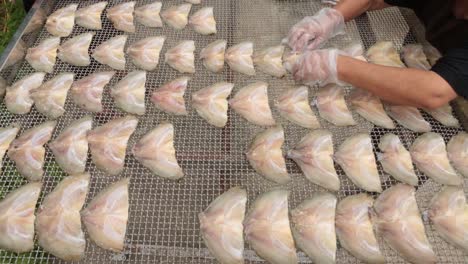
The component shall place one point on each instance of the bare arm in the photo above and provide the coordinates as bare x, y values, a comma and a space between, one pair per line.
351, 9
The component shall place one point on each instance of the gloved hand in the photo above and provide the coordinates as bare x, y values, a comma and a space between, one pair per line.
311, 32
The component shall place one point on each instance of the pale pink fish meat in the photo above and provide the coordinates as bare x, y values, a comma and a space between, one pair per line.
176, 16
332, 106
121, 16
7, 135
49, 99
384, 53
289, 59
37, 21
111, 52
211, 103
444, 115
409, 117
170, 97
239, 58
90, 16
457, 149
87, 92
181, 57
75, 50
213, 55
148, 15
18, 96
17, 53
294, 106
43, 56
60, 23
129, 93
203, 21
145, 52
414, 57
270, 61
370, 107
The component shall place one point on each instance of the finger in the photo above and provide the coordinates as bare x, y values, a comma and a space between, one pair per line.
302, 42
293, 38
315, 43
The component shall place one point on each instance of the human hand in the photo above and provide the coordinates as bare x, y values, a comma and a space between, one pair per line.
317, 67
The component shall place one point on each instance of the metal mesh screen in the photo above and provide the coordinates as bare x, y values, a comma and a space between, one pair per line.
163, 225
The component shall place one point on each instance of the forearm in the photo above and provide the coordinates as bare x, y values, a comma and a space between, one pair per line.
351, 9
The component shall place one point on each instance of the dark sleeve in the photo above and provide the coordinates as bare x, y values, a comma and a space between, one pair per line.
403, 3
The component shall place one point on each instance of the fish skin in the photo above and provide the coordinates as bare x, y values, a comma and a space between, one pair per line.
148, 15
270, 61
181, 57
370, 107
444, 115
457, 151
332, 106
111, 52
239, 58
129, 93
145, 52
90, 16
74, 51
293, 105
49, 99
213, 55
170, 97
61, 22
7, 135
203, 21
414, 57
18, 96
211, 103
43, 56
87, 92
176, 16
384, 53
121, 16
409, 117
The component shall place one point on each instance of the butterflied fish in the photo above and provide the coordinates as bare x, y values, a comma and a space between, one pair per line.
58, 221
314, 155
121, 16
17, 218
49, 99
70, 148
211, 103
170, 97
90, 16
87, 92
60, 23
332, 106
356, 158
384, 53
156, 152
193, 1
203, 21
444, 115
396, 160
18, 96
269, 61
430, 156
354, 228
213, 55
289, 59
409, 117
145, 52
294, 106
43, 56
181, 57
221, 226
313, 227
251, 102
17, 53
148, 15
111, 52
432, 54
370, 107
177, 16
37, 21
239, 58
266, 157
414, 57
129, 93
75, 50
108, 143
457, 149
7, 135
398, 220
267, 228
106, 216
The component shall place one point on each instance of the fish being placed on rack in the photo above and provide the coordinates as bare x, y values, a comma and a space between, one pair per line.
18, 96
211, 103
430, 156
170, 97
270, 61
70, 148
396, 160
356, 157
176, 16
87, 92
111, 52
289, 59
145, 52
28, 151
129, 93
384, 53
239, 58
251, 102
106, 216
121, 16
58, 221
457, 149
266, 157
7, 135
108, 143
221, 226
370, 107
444, 115
332, 106
313, 227
409, 117
60, 23
181, 57
294, 106
414, 57
90, 16
43, 56
203, 21
156, 151
267, 228
17, 218
432, 54
75, 50
397, 219
17, 54
449, 213
148, 15
213, 55
50, 97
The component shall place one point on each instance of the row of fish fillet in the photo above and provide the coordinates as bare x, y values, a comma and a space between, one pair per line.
316, 222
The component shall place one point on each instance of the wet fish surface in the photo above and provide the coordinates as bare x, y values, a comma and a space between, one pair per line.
170, 97
90, 16
43, 56
111, 52
176, 16
203, 21
239, 58
370, 107
211, 103
129, 93
213, 55
148, 15
145, 52
121, 16
181, 57
50, 97
7, 135
87, 92
332, 106
60, 23
75, 50
409, 117
457, 149
18, 98
270, 61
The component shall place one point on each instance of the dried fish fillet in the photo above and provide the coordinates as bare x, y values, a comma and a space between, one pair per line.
70, 148
432, 54
111, 52
90, 16
148, 15
17, 218
211, 103
106, 216
129, 93
181, 57
213, 55
7, 135
156, 152
313, 227
409, 117
170, 97
384, 53
49, 99
17, 53
370, 107
267, 228
37, 21
60, 23
87, 92
121, 16
251, 102
294, 106
332, 106
75, 50
145, 52
58, 221
270, 61
203, 21
18, 96
43, 56
108, 143
414, 57
239, 58
444, 115
457, 149
177, 16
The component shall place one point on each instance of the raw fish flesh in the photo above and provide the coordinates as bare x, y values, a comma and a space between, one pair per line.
203, 21
181, 57
70, 148
396, 160
313, 227
384, 53
213, 55
60, 23
430, 156
356, 158
121, 16
75, 50
17, 53
49, 99
414, 57
87, 92
221, 226
370, 107
90, 16
106, 216
177, 16
398, 220
211, 103
267, 228
332, 106
28, 151
289, 59
314, 155
270, 61
17, 218
409, 117
444, 115
129, 93
457, 149
294, 106
108, 143
193, 1
37, 21
145, 52
266, 157
170, 97
432, 54
148, 15
43, 56
156, 152
7, 135
18, 96
58, 221
251, 102
111, 52
239, 58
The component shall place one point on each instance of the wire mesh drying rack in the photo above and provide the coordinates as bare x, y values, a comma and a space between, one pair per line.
163, 226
